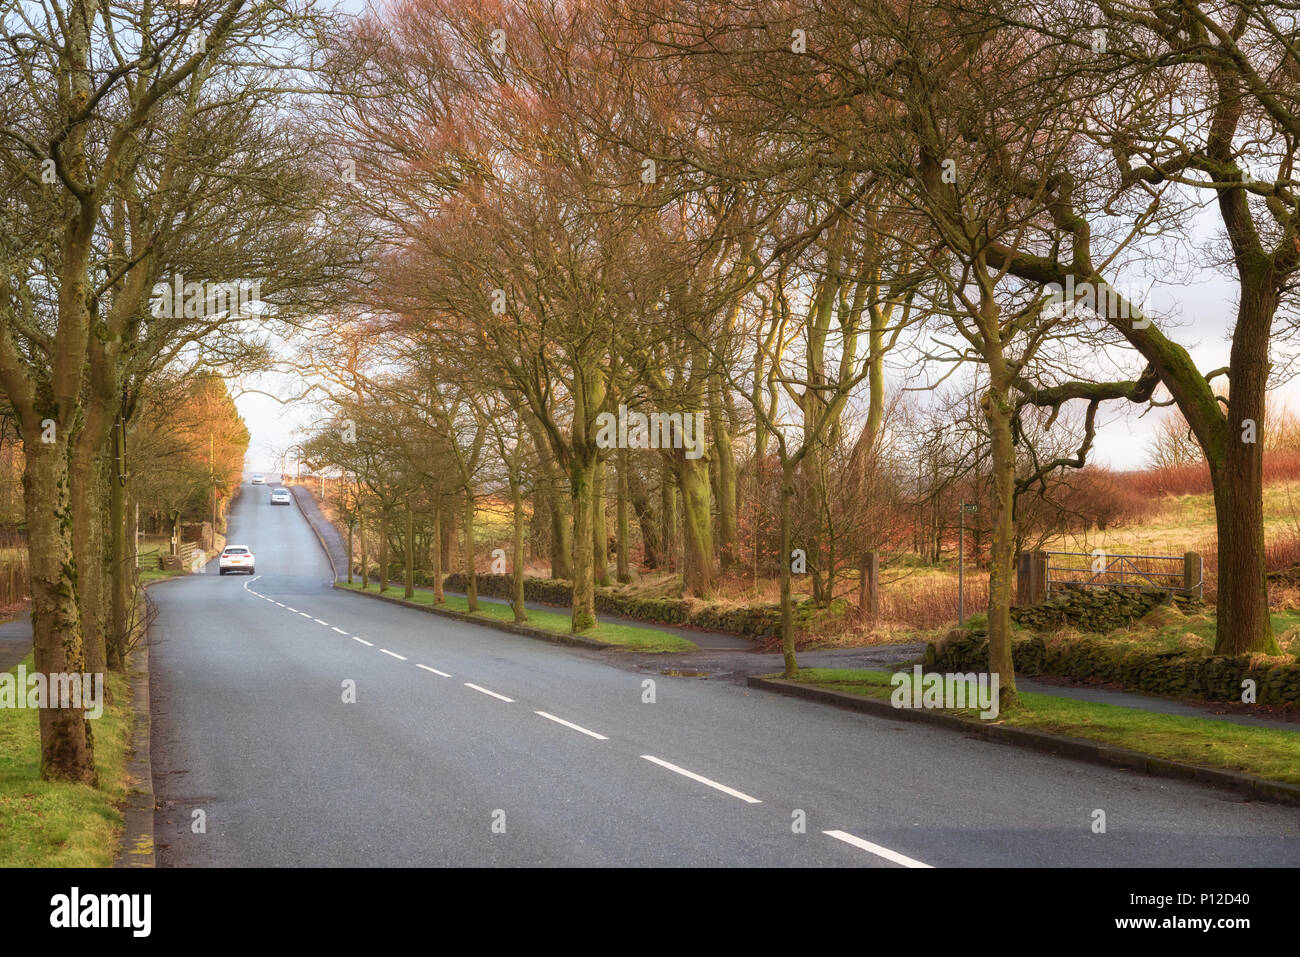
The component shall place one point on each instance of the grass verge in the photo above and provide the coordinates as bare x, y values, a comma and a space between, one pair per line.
627, 637
52, 824
1206, 742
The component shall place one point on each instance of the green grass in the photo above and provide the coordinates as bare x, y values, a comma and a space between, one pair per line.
52, 824
1206, 742
627, 637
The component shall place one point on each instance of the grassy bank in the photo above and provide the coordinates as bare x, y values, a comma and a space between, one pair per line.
50, 824
1206, 742
627, 637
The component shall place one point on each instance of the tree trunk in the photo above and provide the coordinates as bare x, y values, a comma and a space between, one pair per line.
668, 517
383, 549
623, 530
645, 517
122, 571
540, 527
599, 526
787, 598
697, 524
471, 582
438, 598
361, 533
67, 743
584, 588
724, 455
1237, 473
87, 489
517, 585
409, 591
997, 411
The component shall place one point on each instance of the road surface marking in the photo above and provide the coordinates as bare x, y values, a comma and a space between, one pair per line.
570, 724
368, 644
319, 622
294, 610
876, 849
281, 604
434, 670
392, 654
703, 780
492, 693
339, 630
303, 613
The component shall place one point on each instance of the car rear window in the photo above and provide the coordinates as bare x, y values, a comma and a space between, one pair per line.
236, 551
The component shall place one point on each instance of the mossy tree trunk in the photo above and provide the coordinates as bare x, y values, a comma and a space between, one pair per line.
697, 527
67, 744
584, 592
599, 525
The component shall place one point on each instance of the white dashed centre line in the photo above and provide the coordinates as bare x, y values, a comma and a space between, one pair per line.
339, 630
570, 724
434, 670
281, 604
702, 779
319, 622
492, 693
294, 610
368, 644
876, 849
303, 613
392, 654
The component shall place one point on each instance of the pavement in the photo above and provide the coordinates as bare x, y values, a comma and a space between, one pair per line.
298, 725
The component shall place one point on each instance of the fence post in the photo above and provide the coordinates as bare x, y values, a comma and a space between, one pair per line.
1031, 579
1193, 577
869, 584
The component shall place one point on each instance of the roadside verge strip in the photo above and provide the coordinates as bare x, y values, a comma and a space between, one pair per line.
1078, 749
526, 631
137, 845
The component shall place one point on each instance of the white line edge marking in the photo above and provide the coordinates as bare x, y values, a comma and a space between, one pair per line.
702, 779
492, 693
303, 613
392, 654
570, 724
339, 630
294, 610
434, 670
281, 604
368, 644
876, 849
319, 622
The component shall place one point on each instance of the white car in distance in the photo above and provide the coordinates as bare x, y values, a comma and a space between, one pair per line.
236, 558
280, 496
258, 479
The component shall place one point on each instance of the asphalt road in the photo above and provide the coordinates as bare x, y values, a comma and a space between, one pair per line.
432, 765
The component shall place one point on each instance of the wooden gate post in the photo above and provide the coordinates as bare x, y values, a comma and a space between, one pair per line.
869, 584
1031, 579
1193, 577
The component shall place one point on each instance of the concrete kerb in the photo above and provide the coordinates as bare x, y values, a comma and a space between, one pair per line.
526, 631
1077, 749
